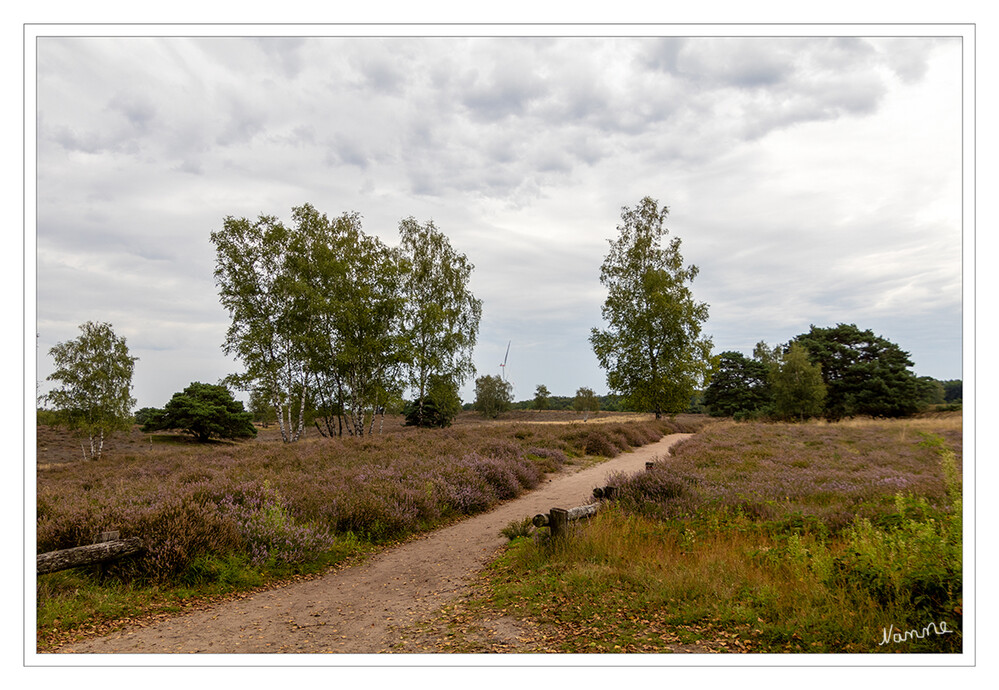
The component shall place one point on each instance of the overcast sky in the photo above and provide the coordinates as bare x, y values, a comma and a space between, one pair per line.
812, 180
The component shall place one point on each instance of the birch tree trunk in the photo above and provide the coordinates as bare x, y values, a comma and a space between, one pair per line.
279, 411
301, 414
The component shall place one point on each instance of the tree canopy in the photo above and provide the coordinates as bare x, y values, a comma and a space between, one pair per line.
738, 385
252, 271
541, 396
652, 348
205, 411
835, 372
95, 376
330, 322
440, 316
586, 401
492, 395
798, 389
864, 374
437, 407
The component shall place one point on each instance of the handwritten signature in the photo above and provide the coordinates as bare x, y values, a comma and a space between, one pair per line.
889, 634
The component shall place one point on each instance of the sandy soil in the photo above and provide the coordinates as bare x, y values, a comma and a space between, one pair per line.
363, 609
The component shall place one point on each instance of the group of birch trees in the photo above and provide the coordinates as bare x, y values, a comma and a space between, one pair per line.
332, 323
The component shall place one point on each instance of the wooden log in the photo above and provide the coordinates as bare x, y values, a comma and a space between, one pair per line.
604, 492
540, 520
580, 512
85, 555
559, 518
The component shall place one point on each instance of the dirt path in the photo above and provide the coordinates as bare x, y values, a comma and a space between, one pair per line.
355, 610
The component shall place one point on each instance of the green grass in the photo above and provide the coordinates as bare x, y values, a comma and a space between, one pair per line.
79, 602
631, 584
730, 581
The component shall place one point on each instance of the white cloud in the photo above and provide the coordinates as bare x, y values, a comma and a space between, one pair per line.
812, 179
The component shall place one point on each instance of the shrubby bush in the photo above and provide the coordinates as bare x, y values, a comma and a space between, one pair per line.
203, 410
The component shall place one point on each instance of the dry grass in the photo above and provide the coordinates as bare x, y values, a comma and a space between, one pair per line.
768, 538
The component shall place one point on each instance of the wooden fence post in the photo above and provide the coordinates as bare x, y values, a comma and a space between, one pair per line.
558, 521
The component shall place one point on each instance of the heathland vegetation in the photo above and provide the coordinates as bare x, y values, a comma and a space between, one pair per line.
222, 517
813, 538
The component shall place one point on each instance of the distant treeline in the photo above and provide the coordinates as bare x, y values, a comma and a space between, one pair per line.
608, 403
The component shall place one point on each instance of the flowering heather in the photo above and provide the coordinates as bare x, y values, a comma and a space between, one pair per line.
274, 503
832, 473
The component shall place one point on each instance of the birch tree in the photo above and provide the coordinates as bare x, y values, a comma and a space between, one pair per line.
252, 275
95, 395
347, 286
369, 352
441, 315
652, 348
586, 401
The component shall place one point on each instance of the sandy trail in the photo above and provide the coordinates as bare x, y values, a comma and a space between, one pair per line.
357, 609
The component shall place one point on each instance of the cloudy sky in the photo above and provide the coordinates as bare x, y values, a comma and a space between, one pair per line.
812, 180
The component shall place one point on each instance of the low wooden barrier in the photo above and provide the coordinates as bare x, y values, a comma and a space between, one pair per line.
108, 547
558, 519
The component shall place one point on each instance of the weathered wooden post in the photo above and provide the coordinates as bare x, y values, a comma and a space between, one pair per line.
558, 521
649, 465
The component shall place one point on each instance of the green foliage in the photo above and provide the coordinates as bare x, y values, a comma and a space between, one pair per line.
438, 408
492, 395
798, 390
440, 319
45, 417
931, 391
332, 323
95, 376
913, 562
541, 395
953, 391
348, 288
144, 414
586, 402
205, 411
864, 374
652, 349
260, 409
257, 287
739, 385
